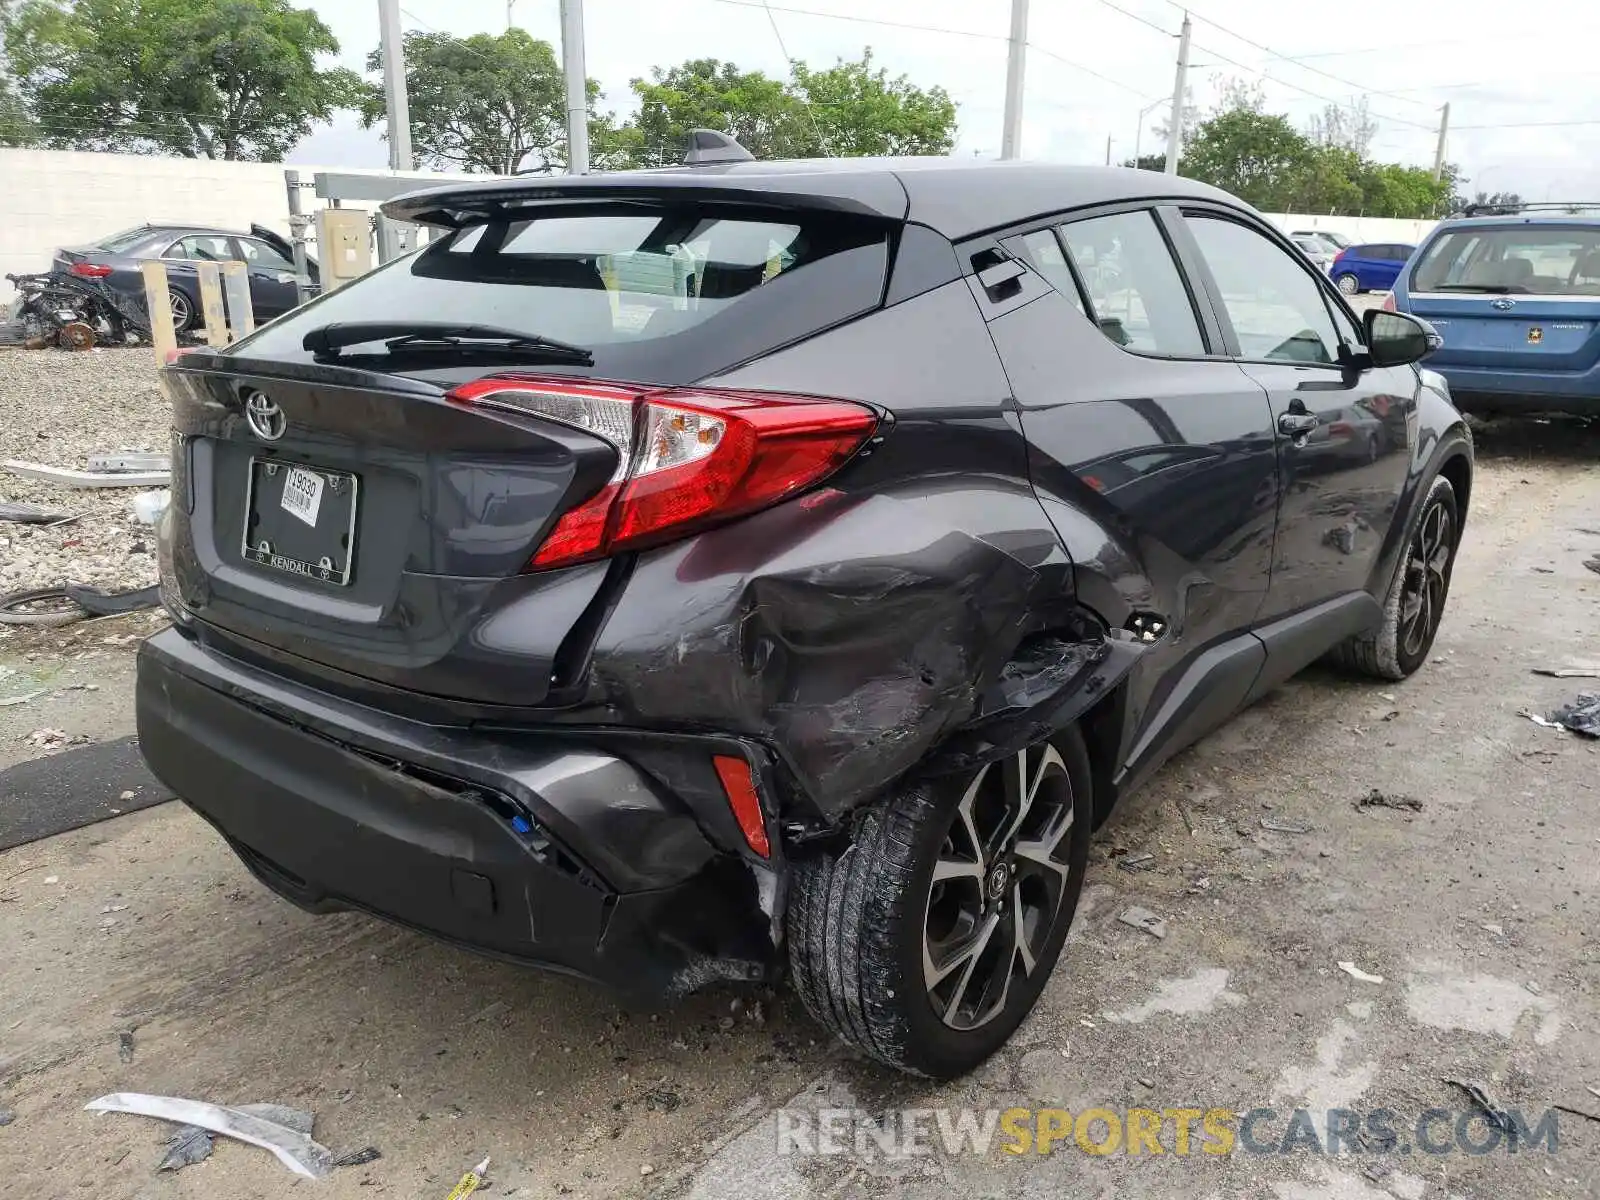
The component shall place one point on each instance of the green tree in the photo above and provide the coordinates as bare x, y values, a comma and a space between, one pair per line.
223, 79
853, 109
1256, 156
705, 93
16, 128
490, 102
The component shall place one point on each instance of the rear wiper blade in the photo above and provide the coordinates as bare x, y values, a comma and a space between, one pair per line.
1487, 289
407, 336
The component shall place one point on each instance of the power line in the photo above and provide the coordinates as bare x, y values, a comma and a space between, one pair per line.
811, 12
1277, 55
1086, 70
1531, 124
810, 112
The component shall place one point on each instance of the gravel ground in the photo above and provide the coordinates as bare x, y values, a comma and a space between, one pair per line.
58, 408
1479, 910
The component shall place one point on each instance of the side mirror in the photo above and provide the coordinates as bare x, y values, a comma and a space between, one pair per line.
1396, 339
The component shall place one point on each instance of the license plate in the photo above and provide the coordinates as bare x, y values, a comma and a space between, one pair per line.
301, 520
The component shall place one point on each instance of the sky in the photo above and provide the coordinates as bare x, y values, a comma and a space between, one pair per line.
1518, 86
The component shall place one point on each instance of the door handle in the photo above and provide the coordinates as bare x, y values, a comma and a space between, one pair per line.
1297, 424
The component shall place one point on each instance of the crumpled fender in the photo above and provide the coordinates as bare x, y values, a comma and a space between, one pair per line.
853, 635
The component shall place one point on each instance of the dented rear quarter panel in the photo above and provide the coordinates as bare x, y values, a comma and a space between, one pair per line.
856, 629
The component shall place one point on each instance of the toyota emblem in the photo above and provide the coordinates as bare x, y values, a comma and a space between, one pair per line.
1504, 303
264, 416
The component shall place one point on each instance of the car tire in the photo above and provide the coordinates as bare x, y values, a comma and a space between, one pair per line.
890, 960
1349, 284
1415, 602
183, 310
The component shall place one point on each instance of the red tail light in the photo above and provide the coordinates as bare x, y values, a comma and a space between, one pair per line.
176, 353
1388, 303
686, 457
1341, 429
89, 270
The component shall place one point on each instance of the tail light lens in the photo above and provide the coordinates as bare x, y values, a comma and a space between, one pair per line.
686, 458
89, 270
1388, 303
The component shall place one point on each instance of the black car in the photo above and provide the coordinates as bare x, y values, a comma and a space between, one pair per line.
673, 577
268, 257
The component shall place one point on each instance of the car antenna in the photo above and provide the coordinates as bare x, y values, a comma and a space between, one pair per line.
711, 147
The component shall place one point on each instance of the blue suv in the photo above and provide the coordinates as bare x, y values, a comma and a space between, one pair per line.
1370, 267
1516, 299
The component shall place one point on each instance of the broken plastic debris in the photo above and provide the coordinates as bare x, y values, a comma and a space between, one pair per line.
1355, 972
1136, 862
1144, 919
470, 1182
292, 1148
125, 1045
1568, 672
148, 506
189, 1145
1581, 716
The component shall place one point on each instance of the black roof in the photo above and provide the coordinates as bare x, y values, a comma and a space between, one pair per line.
956, 197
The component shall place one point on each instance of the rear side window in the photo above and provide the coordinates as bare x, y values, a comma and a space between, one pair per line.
1137, 296
664, 294
1548, 260
1044, 255
1276, 308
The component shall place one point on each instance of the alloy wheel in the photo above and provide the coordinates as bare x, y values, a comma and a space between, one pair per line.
1427, 566
181, 310
996, 890
1349, 285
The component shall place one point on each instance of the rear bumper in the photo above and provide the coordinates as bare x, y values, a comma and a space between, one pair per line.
1480, 388
552, 851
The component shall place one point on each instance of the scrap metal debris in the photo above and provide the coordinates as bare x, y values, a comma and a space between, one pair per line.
189, 1145
1378, 798
357, 1158
1145, 920
1284, 826
1355, 972
1497, 1117
125, 1045
1136, 862
1568, 672
68, 477
292, 1147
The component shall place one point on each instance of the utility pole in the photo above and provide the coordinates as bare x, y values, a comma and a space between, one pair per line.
1438, 155
1016, 62
510, 20
394, 85
1108, 149
577, 87
1180, 85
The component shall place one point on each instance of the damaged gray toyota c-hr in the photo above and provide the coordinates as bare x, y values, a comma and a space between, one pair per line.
684, 576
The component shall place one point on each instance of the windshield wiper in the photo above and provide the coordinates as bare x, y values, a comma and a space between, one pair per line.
1487, 289
404, 337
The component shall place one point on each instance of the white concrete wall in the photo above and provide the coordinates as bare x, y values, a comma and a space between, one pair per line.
1358, 229
52, 198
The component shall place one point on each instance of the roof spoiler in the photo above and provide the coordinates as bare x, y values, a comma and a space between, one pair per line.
710, 147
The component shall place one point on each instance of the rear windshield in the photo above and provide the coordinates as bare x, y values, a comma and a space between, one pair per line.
661, 294
1542, 259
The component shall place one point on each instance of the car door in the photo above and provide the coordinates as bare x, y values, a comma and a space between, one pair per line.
1386, 266
272, 287
1344, 434
1137, 419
